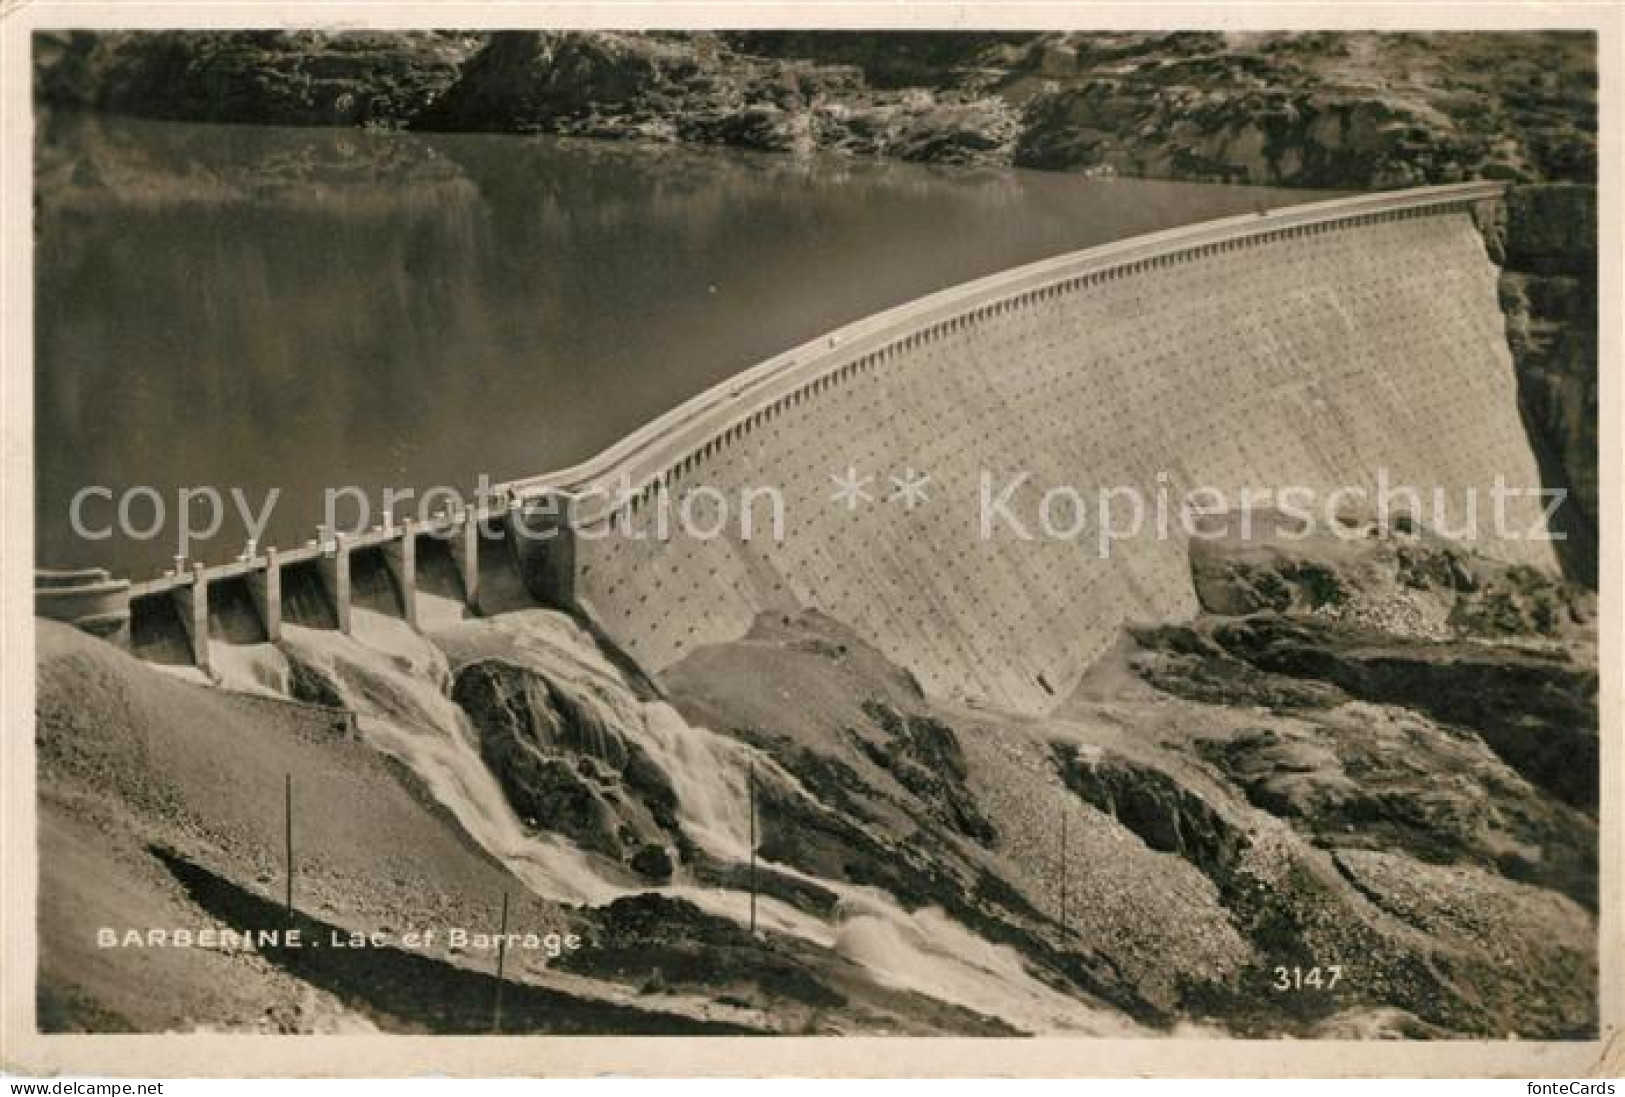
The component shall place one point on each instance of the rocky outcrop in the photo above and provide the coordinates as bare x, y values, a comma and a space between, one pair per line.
1360, 110
306, 78
1548, 939
924, 756
1365, 777
1548, 252
1217, 839
898, 59
1424, 724
1356, 110
1164, 814
1418, 697
1396, 577
1323, 110
695, 88
1538, 711
1402, 618
565, 769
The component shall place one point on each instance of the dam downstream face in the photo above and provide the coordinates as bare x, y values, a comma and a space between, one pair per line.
303, 309
558, 278
1369, 352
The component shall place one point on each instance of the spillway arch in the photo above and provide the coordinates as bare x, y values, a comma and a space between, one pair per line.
1364, 317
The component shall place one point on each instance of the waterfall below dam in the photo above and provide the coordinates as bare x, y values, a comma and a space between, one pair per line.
396, 681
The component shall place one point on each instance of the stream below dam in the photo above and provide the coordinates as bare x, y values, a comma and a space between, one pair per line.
299, 311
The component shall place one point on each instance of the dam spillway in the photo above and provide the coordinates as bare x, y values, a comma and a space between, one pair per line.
1310, 346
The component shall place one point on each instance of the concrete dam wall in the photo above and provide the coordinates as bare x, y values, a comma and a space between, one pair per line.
1314, 355
1315, 346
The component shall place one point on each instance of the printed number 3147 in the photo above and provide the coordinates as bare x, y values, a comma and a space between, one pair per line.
1311, 978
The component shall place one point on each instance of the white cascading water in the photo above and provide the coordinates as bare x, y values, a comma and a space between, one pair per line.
250, 668
401, 710
395, 680
925, 951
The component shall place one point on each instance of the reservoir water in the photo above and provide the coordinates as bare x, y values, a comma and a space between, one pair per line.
257, 308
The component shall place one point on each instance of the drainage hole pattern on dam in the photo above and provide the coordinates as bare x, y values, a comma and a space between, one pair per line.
1310, 360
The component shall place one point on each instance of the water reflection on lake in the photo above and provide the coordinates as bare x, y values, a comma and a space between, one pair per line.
265, 308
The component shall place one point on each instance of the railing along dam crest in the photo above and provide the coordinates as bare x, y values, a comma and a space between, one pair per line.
1087, 364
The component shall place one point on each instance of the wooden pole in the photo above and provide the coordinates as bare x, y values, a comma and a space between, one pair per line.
287, 842
752, 781
502, 955
1064, 928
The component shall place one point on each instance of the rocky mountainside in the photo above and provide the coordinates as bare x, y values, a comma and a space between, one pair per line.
698, 89
267, 77
1376, 752
1362, 110
1338, 110
1547, 248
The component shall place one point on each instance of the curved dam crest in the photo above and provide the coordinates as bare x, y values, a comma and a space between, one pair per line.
1311, 346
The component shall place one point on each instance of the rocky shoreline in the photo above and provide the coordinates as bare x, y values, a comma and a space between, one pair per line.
1547, 250
1354, 110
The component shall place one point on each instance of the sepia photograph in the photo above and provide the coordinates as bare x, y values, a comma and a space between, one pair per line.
683, 529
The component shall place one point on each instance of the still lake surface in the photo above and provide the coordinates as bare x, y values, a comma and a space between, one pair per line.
262, 308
